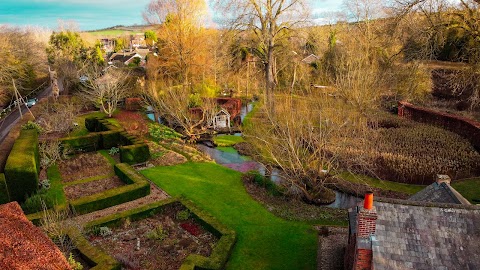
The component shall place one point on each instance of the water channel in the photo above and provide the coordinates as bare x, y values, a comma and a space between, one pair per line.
230, 158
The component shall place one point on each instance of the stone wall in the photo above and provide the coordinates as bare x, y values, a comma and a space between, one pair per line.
464, 127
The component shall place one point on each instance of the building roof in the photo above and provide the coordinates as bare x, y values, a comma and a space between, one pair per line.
410, 236
23, 245
310, 59
439, 193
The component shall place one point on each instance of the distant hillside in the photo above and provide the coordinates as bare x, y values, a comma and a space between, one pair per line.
120, 30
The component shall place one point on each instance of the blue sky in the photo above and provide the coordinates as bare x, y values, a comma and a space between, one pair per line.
97, 14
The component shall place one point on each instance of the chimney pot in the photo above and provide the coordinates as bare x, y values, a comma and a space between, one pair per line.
368, 202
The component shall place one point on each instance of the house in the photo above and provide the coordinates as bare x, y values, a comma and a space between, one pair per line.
407, 234
312, 58
124, 58
25, 246
221, 119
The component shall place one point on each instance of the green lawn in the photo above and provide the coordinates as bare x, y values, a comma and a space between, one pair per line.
227, 140
56, 187
382, 184
264, 240
470, 189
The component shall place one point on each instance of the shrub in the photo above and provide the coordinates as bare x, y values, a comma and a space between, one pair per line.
34, 203
161, 133
113, 151
22, 167
32, 125
4, 198
182, 215
133, 154
104, 231
73, 263
87, 143
260, 180
158, 233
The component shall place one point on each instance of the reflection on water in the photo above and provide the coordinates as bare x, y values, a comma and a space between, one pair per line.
243, 164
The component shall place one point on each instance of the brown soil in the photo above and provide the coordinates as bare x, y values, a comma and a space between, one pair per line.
165, 252
84, 166
51, 136
89, 188
291, 208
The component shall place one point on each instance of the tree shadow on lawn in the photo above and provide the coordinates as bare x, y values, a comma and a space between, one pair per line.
264, 240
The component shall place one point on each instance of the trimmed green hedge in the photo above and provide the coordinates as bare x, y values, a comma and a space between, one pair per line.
137, 187
110, 139
92, 254
133, 154
4, 198
87, 143
220, 253
23, 165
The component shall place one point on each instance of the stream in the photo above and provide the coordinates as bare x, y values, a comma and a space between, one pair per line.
231, 159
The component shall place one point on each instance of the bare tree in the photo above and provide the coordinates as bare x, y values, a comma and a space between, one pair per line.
175, 105
106, 90
306, 139
271, 22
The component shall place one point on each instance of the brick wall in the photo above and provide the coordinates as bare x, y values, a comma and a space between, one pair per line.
464, 127
363, 260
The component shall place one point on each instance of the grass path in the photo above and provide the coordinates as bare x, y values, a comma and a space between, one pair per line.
264, 240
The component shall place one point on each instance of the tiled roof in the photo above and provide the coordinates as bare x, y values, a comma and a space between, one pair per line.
439, 193
422, 237
24, 246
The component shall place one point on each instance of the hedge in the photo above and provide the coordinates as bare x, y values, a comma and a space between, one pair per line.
220, 253
92, 254
4, 198
87, 143
137, 187
111, 138
23, 165
133, 154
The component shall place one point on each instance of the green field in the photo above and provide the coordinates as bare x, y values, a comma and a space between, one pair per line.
264, 240
382, 184
470, 189
113, 32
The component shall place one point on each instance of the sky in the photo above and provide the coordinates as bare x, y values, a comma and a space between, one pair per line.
99, 14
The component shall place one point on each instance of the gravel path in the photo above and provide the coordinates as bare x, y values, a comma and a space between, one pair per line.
331, 247
156, 194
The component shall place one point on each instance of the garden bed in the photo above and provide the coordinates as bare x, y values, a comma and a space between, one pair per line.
161, 241
89, 188
84, 166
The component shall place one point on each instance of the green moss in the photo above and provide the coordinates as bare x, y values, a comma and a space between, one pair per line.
227, 140
22, 167
469, 189
382, 184
247, 121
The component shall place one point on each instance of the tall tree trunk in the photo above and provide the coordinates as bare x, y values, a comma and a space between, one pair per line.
270, 80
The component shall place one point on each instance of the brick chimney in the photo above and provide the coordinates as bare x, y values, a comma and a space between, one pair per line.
366, 224
366, 218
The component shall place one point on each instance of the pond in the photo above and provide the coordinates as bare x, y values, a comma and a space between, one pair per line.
230, 158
